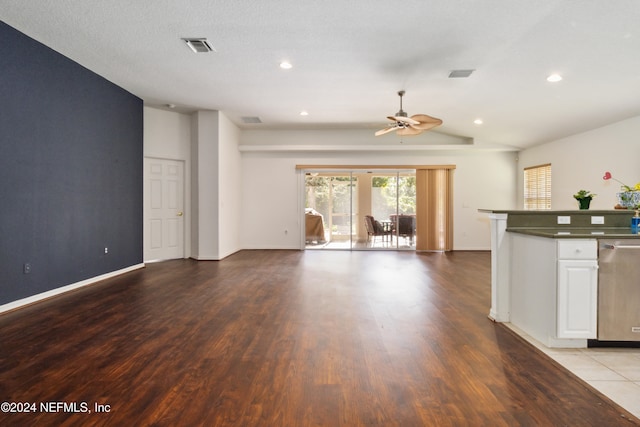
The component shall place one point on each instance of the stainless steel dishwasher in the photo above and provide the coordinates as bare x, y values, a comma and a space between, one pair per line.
619, 290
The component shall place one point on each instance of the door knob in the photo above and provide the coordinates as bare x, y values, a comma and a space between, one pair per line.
179, 214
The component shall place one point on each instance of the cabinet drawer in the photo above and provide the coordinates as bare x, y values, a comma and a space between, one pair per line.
577, 249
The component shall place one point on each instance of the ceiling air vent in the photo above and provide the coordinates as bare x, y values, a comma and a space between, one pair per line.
460, 74
199, 45
251, 120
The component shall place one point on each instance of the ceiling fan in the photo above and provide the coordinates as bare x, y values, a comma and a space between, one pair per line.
413, 125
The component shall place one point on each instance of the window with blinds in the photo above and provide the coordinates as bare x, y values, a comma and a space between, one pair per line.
537, 187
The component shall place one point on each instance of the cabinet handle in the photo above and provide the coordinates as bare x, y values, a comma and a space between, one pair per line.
607, 246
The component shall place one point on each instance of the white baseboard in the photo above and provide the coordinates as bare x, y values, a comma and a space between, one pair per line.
218, 257
53, 292
472, 248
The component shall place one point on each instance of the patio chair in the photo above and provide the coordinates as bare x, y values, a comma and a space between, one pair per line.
375, 228
404, 226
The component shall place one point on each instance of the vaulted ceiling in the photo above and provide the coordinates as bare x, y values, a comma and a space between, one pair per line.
350, 58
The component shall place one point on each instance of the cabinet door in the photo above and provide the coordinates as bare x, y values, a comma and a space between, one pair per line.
577, 299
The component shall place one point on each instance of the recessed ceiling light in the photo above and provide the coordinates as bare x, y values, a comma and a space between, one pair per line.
286, 65
304, 113
478, 121
553, 78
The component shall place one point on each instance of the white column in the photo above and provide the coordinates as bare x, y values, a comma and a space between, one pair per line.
500, 269
205, 181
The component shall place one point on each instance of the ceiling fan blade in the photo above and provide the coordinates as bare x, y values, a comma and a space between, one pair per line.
408, 131
406, 120
425, 122
387, 130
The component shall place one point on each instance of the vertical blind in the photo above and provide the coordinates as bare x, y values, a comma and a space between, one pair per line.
537, 187
434, 209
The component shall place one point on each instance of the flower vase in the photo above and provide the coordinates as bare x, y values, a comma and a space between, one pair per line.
584, 203
629, 199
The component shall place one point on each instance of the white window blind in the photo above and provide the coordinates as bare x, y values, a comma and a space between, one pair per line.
537, 187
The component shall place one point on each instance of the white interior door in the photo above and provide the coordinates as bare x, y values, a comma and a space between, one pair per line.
163, 209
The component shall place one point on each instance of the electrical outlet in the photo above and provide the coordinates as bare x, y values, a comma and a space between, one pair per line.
597, 220
564, 220
26, 268
106, 250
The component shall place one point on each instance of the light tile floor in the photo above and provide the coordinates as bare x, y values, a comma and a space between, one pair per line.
614, 372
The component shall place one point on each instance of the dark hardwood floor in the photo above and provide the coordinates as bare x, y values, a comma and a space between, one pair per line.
288, 338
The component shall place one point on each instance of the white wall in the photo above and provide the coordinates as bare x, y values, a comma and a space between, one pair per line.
229, 188
167, 135
272, 194
579, 162
270, 214
207, 142
349, 137
216, 186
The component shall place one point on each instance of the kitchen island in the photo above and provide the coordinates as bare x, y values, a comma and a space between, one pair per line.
545, 270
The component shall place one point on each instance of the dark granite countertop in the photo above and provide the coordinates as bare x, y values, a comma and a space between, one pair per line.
571, 224
576, 233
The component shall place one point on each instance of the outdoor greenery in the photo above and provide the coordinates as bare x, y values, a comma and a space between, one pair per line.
319, 191
404, 187
326, 192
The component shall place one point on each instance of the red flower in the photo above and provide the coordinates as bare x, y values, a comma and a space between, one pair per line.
607, 176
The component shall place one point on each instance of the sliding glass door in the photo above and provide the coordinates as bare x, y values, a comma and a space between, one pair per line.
378, 207
360, 209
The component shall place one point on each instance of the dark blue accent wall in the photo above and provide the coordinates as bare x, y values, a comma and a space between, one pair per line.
71, 160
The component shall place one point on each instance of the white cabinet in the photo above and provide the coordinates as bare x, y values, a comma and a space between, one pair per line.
553, 289
577, 287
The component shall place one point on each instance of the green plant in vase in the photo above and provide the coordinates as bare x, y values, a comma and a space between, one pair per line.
584, 198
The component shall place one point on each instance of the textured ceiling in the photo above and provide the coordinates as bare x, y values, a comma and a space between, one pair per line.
351, 57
